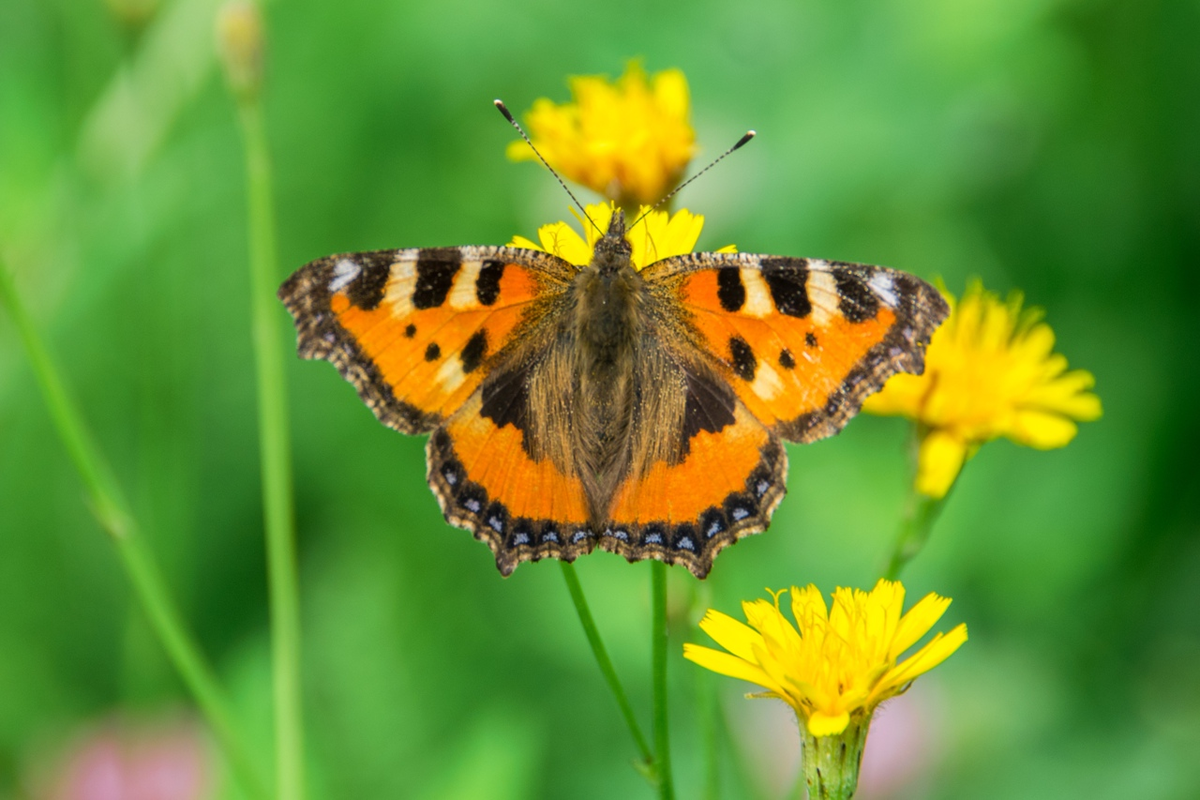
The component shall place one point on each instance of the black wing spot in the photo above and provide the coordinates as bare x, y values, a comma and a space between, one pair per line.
787, 280
858, 303
410, 331
730, 290
367, 289
436, 269
432, 352
744, 362
505, 401
810, 339
487, 285
785, 359
708, 405
474, 351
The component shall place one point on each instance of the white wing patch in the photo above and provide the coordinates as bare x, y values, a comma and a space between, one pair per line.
344, 271
881, 283
767, 384
450, 375
822, 293
462, 293
758, 294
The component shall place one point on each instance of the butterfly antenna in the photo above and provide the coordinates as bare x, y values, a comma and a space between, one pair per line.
740, 142
508, 116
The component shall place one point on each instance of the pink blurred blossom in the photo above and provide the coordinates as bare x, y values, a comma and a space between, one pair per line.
121, 760
904, 743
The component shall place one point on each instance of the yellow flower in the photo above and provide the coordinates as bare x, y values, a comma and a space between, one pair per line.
833, 664
990, 371
630, 140
657, 236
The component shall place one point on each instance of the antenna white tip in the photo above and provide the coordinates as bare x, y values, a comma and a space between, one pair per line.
747, 137
504, 110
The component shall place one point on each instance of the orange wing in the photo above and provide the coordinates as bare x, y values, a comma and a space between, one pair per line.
417, 330
486, 482
728, 483
803, 341
726, 486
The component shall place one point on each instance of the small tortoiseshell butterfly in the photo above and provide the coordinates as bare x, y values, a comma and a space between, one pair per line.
640, 411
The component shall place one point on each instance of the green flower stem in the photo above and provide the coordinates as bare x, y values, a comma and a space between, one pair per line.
602, 660
658, 655
914, 531
920, 514
275, 449
110, 509
831, 763
706, 723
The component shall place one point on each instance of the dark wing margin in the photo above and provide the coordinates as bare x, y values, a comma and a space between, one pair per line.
308, 295
919, 310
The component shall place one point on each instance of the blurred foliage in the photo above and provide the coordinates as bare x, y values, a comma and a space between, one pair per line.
1047, 145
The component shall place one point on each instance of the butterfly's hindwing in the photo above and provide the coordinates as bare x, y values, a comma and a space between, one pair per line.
726, 485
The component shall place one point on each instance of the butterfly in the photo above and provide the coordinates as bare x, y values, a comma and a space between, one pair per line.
641, 412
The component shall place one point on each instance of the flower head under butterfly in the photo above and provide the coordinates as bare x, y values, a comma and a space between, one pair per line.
653, 236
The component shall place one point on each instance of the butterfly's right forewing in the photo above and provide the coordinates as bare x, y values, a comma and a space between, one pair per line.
802, 341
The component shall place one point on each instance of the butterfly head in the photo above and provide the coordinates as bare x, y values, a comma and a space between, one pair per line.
613, 251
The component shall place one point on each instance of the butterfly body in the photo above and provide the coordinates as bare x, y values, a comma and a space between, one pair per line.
641, 411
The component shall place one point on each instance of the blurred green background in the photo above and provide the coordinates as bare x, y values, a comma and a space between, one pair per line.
1046, 145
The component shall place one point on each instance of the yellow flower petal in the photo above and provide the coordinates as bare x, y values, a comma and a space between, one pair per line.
734, 636
726, 664
939, 461
1041, 430
935, 652
657, 236
820, 724
917, 622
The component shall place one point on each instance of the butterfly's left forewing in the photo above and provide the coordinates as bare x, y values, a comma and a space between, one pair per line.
802, 341
417, 330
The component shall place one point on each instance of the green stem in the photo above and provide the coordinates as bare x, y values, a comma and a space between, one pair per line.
831, 763
920, 513
275, 452
111, 511
706, 723
658, 655
914, 531
605, 664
